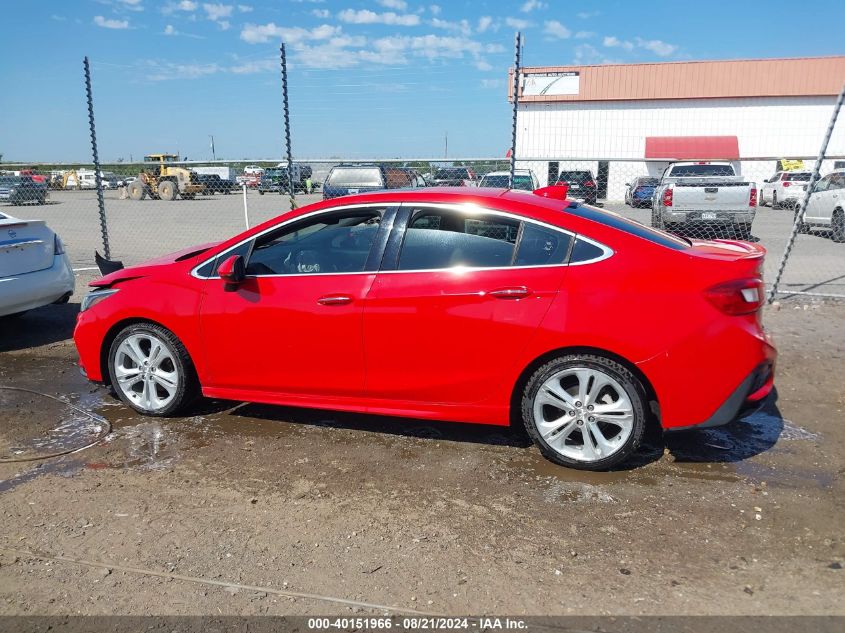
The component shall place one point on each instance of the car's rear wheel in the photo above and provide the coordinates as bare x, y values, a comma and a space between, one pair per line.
151, 370
584, 411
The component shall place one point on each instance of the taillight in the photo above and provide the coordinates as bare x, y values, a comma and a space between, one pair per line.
786, 183
667, 197
58, 247
741, 296
752, 201
589, 183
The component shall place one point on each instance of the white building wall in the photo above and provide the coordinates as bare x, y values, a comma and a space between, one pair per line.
771, 127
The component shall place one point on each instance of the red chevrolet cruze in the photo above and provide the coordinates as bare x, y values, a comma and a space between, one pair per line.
483, 306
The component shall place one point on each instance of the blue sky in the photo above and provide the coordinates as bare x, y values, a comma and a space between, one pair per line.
368, 78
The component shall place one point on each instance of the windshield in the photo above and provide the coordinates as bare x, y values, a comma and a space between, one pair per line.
10, 180
274, 173
646, 182
798, 177
355, 177
680, 171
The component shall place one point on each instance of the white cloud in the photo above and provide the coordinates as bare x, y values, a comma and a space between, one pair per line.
365, 16
185, 5
58, 18
493, 83
172, 31
321, 13
256, 34
588, 55
131, 2
582, 35
216, 12
658, 47
555, 29
166, 71
462, 27
252, 67
612, 41
531, 5
244, 8
517, 23
132, 5
483, 65
99, 20
399, 5
169, 30
435, 9
484, 23
224, 25
586, 15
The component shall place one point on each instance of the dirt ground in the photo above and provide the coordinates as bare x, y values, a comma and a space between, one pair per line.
442, 518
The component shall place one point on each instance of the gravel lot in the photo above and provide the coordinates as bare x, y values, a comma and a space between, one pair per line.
141, 230
407, 514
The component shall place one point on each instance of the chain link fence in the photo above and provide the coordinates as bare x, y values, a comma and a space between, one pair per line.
747, 179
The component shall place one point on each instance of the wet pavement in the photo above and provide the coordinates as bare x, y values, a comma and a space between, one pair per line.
448, 517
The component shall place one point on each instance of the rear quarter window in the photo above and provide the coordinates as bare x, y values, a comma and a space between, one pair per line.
629, 226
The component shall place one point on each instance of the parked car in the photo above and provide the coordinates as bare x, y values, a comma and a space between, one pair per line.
640, 191
215, 184
455, 177
582, 184
826, 206
785, 188
349, 179
276, 178
522, 179
34, 269
697, 194
19, 190
447, 305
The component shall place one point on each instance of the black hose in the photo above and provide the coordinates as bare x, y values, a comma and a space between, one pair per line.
106, 425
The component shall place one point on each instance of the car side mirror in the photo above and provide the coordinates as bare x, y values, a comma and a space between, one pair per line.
232, 270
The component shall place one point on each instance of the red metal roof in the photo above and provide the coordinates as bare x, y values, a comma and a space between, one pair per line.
692, 147
806, 76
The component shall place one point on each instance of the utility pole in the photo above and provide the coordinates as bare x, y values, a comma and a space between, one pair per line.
446, 145
213, 154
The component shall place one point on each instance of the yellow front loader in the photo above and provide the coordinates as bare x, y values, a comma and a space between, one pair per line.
163, 180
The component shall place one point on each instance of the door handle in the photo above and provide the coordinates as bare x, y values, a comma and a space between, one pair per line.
512, 292
334, 300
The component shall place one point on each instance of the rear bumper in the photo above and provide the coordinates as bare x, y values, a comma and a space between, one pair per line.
751, 394
698, 216
40, 288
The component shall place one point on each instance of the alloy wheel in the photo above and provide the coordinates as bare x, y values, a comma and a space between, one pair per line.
583, 414
146, 372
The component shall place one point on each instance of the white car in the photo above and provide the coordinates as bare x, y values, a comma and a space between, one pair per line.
785, 188
826, 207
34, 269
522, 179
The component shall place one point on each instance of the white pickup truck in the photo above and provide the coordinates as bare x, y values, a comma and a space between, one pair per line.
693, 195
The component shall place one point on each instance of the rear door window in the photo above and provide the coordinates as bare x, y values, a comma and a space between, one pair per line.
355, 177
437, 239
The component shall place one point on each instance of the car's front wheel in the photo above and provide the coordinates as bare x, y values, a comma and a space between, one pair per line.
584, 411
151, 371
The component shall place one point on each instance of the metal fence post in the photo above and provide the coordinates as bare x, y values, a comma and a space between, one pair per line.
802, 209
516, 56
101, 203
287, 126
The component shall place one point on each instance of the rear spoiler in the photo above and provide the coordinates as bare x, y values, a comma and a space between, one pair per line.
107, 266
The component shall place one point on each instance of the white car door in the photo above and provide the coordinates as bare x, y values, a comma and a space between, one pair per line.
767, 188
817, 202
834, 196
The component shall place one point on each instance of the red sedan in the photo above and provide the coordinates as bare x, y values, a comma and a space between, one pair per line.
484, 306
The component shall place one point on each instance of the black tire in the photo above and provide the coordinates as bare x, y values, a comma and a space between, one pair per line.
187, 388
837, 226
260, 192
803, 227
167, 190
632, 387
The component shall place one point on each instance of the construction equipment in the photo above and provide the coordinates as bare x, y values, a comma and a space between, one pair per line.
164, 180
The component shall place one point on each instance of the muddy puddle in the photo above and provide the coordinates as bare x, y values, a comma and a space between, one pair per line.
29, 425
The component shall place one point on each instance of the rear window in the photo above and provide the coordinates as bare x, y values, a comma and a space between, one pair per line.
797, 177
577, 176
621, 223
355, 177
519, 182
681, 171
451, 174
